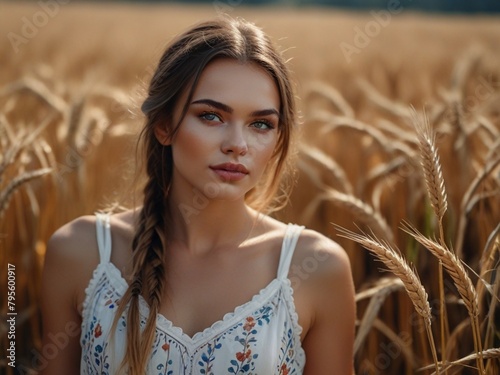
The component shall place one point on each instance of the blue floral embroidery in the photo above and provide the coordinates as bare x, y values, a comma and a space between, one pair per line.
235, 350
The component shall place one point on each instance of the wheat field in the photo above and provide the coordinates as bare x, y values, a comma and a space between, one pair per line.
399, 159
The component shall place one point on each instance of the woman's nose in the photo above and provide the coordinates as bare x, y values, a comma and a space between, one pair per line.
235, 141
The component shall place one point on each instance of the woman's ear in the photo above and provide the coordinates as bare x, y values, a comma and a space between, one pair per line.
162, 133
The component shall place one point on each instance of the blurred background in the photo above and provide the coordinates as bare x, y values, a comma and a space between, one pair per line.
73, 74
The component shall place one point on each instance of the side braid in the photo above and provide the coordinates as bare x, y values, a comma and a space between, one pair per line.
148, 274
153, 271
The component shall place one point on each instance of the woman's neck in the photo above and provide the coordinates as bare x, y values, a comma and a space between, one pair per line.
201, 224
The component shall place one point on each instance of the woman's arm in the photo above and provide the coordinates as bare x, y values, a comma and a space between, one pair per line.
65, 272
330, 339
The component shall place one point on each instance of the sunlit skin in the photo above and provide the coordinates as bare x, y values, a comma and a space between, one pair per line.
233, 117
223, 252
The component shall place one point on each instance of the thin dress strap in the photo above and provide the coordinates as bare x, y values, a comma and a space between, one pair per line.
290, 239
103, 229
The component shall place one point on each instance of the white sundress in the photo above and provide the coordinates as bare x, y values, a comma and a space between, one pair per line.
262, 336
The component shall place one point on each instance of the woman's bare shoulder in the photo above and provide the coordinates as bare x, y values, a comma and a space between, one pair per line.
74, 235
70, 259
324, 259
77, 239
74, 240
312, 242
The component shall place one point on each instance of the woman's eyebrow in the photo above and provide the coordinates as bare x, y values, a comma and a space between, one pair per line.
228, 109
213, 103
265, 112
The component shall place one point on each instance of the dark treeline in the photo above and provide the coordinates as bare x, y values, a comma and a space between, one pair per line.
448, 6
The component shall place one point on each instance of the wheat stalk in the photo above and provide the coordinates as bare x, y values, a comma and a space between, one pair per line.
389, 145
15, 183
38, 89
331, 166
397, 109
460, 278
487, 257
486, 124
394, 337
486, 264
398, 266
395, 131
333, 96
378, 295
21, 140
75, 114
462, 69
490, 166
363, 211
488, 354
434, 180
390, 283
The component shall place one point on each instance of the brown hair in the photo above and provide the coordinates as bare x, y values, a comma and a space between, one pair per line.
179, 69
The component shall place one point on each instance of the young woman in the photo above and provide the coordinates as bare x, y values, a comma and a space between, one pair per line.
199, 279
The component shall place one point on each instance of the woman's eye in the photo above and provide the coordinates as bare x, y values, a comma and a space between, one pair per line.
209, 116
262, 125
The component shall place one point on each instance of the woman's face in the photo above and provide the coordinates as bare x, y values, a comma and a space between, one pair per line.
229, 132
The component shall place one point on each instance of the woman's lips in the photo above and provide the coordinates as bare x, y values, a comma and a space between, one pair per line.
230, 171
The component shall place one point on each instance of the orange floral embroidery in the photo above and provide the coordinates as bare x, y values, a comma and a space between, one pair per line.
284, 370
97, 331
242, 357
249, 324
165, 347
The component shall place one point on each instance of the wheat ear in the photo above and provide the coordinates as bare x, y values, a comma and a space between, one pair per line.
486, 265
460, 278
15, 183
398, 266
430, 164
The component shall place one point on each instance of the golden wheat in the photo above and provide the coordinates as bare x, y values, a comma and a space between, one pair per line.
11, 187
398, 266
461, 280
337, 172
364, 103
430, 164
491, 164
362, 211
377, 295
